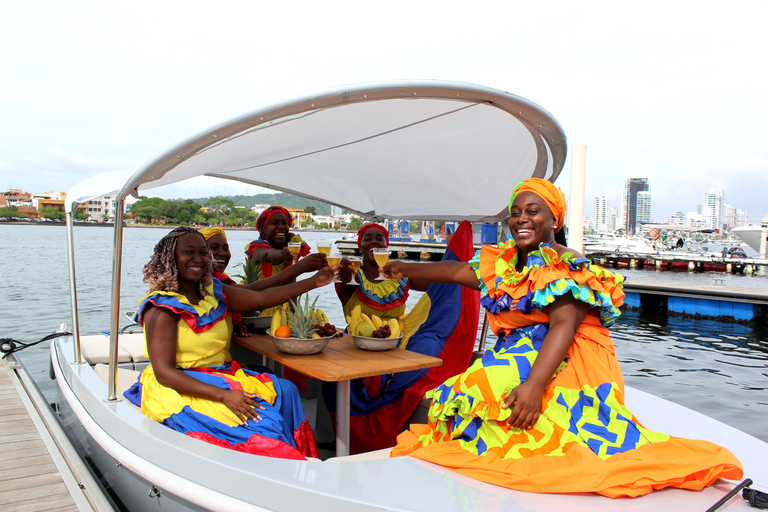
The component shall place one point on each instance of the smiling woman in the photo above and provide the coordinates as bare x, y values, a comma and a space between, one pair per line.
550, 394
192, 384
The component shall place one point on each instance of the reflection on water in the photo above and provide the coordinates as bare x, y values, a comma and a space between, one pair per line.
718, 369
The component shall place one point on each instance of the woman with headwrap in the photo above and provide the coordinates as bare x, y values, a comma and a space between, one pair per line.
543, 410
192, 385
271, 250
443, 323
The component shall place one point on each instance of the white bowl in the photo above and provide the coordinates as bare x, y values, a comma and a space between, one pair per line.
300, 347
258, 322
377, 344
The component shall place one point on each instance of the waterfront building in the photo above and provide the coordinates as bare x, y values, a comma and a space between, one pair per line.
643, 209
602, 215
712, 209
103, 209
677, 218
614, 220
629, 201
336, 211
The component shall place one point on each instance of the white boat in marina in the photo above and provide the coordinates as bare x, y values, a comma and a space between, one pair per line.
369, 149
750, 234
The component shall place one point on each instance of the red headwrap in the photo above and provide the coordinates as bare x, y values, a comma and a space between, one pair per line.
266, 214
365, 228
551, 195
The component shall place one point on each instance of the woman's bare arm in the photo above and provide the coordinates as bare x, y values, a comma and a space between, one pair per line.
457, 272
310, 263
565, 316
160, 329
241, 300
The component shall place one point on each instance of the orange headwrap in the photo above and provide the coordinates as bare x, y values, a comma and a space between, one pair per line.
551, 195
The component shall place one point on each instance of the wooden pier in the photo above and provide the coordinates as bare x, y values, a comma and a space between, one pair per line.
40, 469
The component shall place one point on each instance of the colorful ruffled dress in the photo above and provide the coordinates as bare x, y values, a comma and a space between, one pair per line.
266, 269
585, 440
204, 332
442, 324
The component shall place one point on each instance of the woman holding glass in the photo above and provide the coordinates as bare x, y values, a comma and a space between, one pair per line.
443, 323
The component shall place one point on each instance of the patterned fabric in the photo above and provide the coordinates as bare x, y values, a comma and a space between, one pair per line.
546, 190
203, 354
266, 269
385, 299
585, 440
442, 324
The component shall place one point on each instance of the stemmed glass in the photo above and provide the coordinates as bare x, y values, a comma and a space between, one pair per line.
334, 259
295, 248
324, 247
381, 255
354, 265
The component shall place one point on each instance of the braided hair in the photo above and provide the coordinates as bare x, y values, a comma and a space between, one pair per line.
161, 273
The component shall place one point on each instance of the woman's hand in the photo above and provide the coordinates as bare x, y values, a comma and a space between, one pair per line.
312, 262
394, 270
242, 404
286, 254
525, 400
345, 273
241, 330
322, 277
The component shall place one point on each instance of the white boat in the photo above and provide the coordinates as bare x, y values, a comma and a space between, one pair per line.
751, 234
368, 149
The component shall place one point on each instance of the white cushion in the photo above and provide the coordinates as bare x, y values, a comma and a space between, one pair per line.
134, 345
125, 378
95, 350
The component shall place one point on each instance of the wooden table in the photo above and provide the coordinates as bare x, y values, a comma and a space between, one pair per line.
340, 362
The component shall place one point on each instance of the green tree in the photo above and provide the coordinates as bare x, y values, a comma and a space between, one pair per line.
355, 224
221, 206
147, 209
311, 210
80, 215
49, 212
308, 223
10, 211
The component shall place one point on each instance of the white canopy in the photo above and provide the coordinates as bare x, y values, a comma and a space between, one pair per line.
408, 150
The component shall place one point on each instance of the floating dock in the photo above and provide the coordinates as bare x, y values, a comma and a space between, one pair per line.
692, 261
40, 468
718, 302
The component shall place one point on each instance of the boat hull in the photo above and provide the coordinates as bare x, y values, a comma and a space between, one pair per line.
137, 457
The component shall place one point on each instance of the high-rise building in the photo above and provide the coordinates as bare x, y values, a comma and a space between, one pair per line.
643, 209
335, 210
712, 209
602, 214
629, 202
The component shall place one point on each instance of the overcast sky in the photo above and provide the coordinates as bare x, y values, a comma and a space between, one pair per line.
672, 91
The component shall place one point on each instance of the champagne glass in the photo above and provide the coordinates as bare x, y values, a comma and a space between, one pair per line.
354, 265
381, 255
334, 259
324, 247
295, 248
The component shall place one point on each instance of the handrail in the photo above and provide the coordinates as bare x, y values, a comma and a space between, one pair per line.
114, 320
73, 286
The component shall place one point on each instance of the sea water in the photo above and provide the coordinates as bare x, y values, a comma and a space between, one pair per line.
717, 369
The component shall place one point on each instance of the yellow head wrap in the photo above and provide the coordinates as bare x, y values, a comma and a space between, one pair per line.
551, 195
212, 231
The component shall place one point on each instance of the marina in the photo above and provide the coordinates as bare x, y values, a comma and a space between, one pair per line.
148, 465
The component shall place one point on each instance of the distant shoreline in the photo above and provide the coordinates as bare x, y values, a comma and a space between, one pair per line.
34, 222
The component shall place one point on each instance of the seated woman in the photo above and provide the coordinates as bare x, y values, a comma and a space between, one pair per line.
543, 411
192, 385
271, 251
442, 324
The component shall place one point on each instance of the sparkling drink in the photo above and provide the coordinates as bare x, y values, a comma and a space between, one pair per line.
333, 259
324, 247
381, 257
295, 248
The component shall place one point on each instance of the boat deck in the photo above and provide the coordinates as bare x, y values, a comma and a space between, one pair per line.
36, 474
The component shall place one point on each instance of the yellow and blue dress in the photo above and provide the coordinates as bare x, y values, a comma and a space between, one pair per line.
204, 331
585, 440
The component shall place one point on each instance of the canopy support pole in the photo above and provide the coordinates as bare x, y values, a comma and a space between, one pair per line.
576, 206
73, 285
114, 320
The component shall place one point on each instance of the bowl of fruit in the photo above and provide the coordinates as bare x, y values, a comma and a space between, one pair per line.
303, 331
374, 333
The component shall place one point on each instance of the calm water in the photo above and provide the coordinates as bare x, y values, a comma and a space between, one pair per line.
718, 369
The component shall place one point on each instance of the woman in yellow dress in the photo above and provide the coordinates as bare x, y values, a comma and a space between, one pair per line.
192, 384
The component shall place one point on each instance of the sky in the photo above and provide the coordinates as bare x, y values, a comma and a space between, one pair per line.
676, 92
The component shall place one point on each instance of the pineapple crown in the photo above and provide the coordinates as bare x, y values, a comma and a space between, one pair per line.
300, 320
